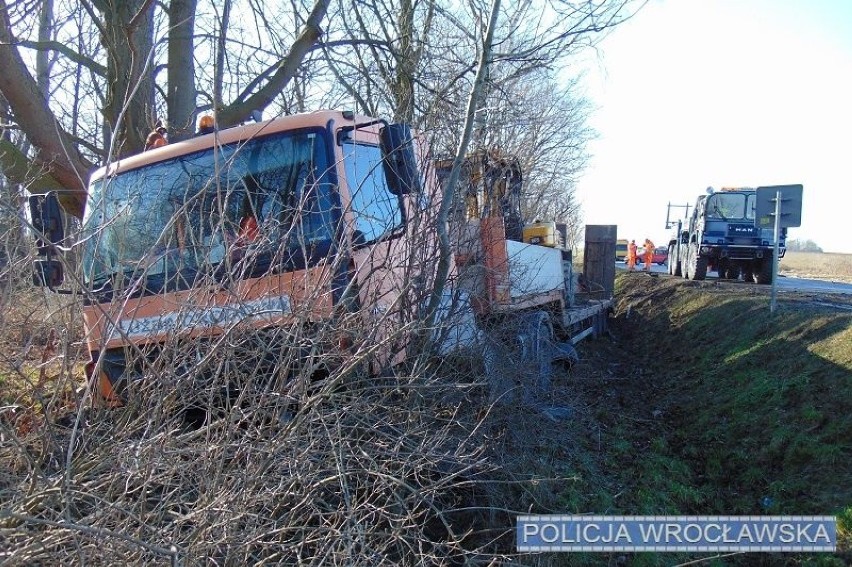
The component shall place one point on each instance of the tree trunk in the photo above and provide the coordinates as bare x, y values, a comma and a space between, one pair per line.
129, 109
404, 88
181, 71
45, 25
55, 152
443, 268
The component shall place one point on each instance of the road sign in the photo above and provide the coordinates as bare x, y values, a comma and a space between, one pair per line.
777, 206
791, 206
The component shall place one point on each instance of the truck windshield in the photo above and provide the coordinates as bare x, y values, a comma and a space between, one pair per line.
731, 206
192, 213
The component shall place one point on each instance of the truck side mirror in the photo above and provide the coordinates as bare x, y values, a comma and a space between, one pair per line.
400, 163
46, 218
48, 273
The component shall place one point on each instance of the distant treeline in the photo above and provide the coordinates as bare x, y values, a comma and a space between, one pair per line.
796, 245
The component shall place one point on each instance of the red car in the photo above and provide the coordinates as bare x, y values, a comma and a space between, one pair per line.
660, 255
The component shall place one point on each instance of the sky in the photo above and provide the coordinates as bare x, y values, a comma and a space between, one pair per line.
691, 94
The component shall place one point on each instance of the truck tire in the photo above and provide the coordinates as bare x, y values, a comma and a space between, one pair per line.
696, 265
700, 271
538, 357
674, 261
748, 274
732, 272
518, 358
763, 273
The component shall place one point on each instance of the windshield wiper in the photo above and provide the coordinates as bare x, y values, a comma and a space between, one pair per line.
716, 209
102, 281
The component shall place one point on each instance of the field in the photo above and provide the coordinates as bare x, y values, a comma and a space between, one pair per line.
831, 266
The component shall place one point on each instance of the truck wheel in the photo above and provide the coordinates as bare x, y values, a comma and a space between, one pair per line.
674, 261
681, 262
697, 264
763, 273
700, 271
748, 274
670, 261
518, 358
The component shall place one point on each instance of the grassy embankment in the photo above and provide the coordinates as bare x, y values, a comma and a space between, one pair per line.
706, 404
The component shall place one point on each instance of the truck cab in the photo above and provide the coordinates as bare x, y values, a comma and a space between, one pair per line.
263, 232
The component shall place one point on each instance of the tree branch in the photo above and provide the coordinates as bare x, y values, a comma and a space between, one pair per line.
72, 55
17, 168
236, 113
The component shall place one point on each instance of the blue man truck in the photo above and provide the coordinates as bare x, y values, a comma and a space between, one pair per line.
722, 236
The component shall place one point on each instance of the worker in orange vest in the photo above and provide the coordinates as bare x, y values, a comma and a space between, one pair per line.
649, 254
631, 255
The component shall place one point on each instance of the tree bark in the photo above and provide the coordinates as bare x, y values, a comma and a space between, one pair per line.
45, 25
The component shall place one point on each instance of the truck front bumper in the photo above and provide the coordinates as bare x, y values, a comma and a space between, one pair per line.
739, 252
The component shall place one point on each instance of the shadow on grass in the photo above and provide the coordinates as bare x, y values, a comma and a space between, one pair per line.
727, 409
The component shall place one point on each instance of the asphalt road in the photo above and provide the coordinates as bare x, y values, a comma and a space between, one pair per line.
784, 283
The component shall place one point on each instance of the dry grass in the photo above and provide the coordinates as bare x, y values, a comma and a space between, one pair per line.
40, 352
827, 265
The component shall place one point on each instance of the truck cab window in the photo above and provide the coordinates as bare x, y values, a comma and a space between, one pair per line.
727, 206
377, 211
187, 213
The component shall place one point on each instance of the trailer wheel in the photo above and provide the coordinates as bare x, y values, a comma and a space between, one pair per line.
500, 373
539, 340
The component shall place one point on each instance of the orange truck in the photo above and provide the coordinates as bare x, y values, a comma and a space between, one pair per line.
299, 219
